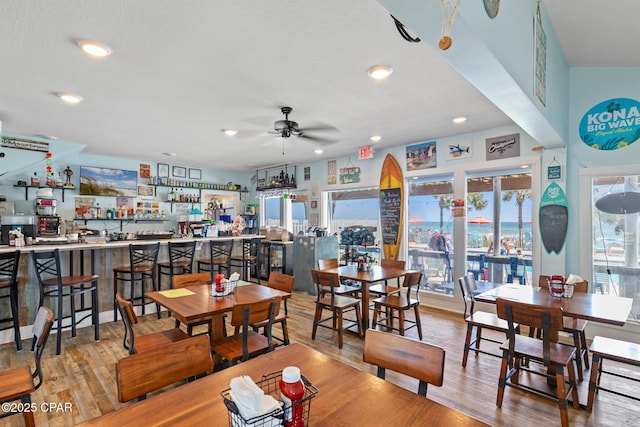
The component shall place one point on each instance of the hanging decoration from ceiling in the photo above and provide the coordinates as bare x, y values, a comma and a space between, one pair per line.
492, 7
403, 31
449, 11
611, 124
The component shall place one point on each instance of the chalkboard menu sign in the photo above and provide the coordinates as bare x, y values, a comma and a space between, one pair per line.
390, 211
554, 218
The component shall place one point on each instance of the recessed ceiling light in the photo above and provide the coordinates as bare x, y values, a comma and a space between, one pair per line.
524, 166
53, 138
318, 151
415, 177
380, 72
229, 132
94, 48
459, 120
69, 98
376, 138
170, 154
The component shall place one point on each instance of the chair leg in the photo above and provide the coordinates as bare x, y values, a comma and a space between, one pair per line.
115, 291
578, 358
467, 342
96, 311
401, 321
584, 347
59, 325
359, 321
502, 382
28, 414
316, 319
16, 321
340, 330
374, 323
72, 305
418, 321
593, 379
285, 332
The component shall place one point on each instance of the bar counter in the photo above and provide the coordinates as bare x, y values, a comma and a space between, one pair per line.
85, 258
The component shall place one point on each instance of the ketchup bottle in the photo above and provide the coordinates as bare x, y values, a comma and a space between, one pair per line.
292, 392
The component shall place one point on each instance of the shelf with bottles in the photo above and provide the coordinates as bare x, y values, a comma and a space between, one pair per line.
122, 220
168, 183
281, 176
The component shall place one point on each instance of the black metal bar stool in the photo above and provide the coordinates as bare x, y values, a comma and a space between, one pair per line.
248, 260
54, 285
220, 257
180, 261
9, 289
143, 263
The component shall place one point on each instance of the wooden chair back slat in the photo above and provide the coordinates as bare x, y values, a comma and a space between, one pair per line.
392, 263
142, 373
407, 356
325, 264
258, 312
280, 281
192, 279
531, 315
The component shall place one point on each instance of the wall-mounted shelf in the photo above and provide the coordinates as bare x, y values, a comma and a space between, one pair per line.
171, 203
122, 220
202, 186
27, 187
277, 177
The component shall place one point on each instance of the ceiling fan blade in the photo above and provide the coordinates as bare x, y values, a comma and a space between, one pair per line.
319, 140
321, 127
244, 134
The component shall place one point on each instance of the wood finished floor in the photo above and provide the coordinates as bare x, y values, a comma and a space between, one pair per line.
84, 374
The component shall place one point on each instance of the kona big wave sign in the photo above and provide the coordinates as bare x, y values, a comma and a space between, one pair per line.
611, 124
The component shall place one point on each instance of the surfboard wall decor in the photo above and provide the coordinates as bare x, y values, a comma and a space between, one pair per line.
391, 206
554, 218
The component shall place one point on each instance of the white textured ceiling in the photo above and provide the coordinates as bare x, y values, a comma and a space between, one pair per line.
183, 70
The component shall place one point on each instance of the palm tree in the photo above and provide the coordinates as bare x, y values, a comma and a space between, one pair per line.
444, 202
476, 201
520, 196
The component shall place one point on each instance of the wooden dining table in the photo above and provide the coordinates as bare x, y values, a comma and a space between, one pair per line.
609, 309
195, 304
376, 273
346, 397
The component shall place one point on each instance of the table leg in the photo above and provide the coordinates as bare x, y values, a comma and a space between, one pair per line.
364, 290
218, 332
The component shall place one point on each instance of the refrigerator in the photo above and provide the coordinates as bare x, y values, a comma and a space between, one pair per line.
307, 251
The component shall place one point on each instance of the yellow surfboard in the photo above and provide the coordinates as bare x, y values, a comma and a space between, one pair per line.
391, 206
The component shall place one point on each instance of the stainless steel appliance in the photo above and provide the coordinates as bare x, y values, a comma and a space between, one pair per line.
48, 225
46, 206
27, 223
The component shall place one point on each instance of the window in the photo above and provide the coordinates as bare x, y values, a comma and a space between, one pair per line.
355, 216
615, 238
272, 211
507, 197
430, 232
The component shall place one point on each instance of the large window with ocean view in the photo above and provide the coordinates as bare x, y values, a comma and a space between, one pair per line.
430, 231
615, 237
499, 230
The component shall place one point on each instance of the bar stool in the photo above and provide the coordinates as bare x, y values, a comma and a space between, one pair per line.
249, 259
220, 257
8, 282
180, 261
143, 263
54, 285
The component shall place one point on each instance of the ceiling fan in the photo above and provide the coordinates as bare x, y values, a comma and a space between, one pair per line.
287, 128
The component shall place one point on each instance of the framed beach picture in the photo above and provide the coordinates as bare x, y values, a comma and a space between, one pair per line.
195, 173
163, 170
145, 190
421, 156
179, 172
97, 181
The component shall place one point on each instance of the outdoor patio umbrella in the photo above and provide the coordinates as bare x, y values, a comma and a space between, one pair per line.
479, 220
415, 219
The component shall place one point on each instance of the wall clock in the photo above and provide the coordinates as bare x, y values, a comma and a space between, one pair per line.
492, 7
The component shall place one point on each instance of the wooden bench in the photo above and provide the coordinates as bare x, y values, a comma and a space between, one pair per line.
142, 373
610, 349
407, 356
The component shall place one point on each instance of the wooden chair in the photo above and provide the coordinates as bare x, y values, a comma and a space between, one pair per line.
249, 260
407, 356
338, 305
245, 343
143, 343
53, 284
618, 351
9, 262
193, 279
400, 303
343, 288
478, 320
380, 289
142, 373
575, 327
180, 261
19, 383
219, 257
143, 263
284, 283
554, 356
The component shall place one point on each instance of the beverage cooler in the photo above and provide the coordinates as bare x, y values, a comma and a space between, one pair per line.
308, 250
275, 256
